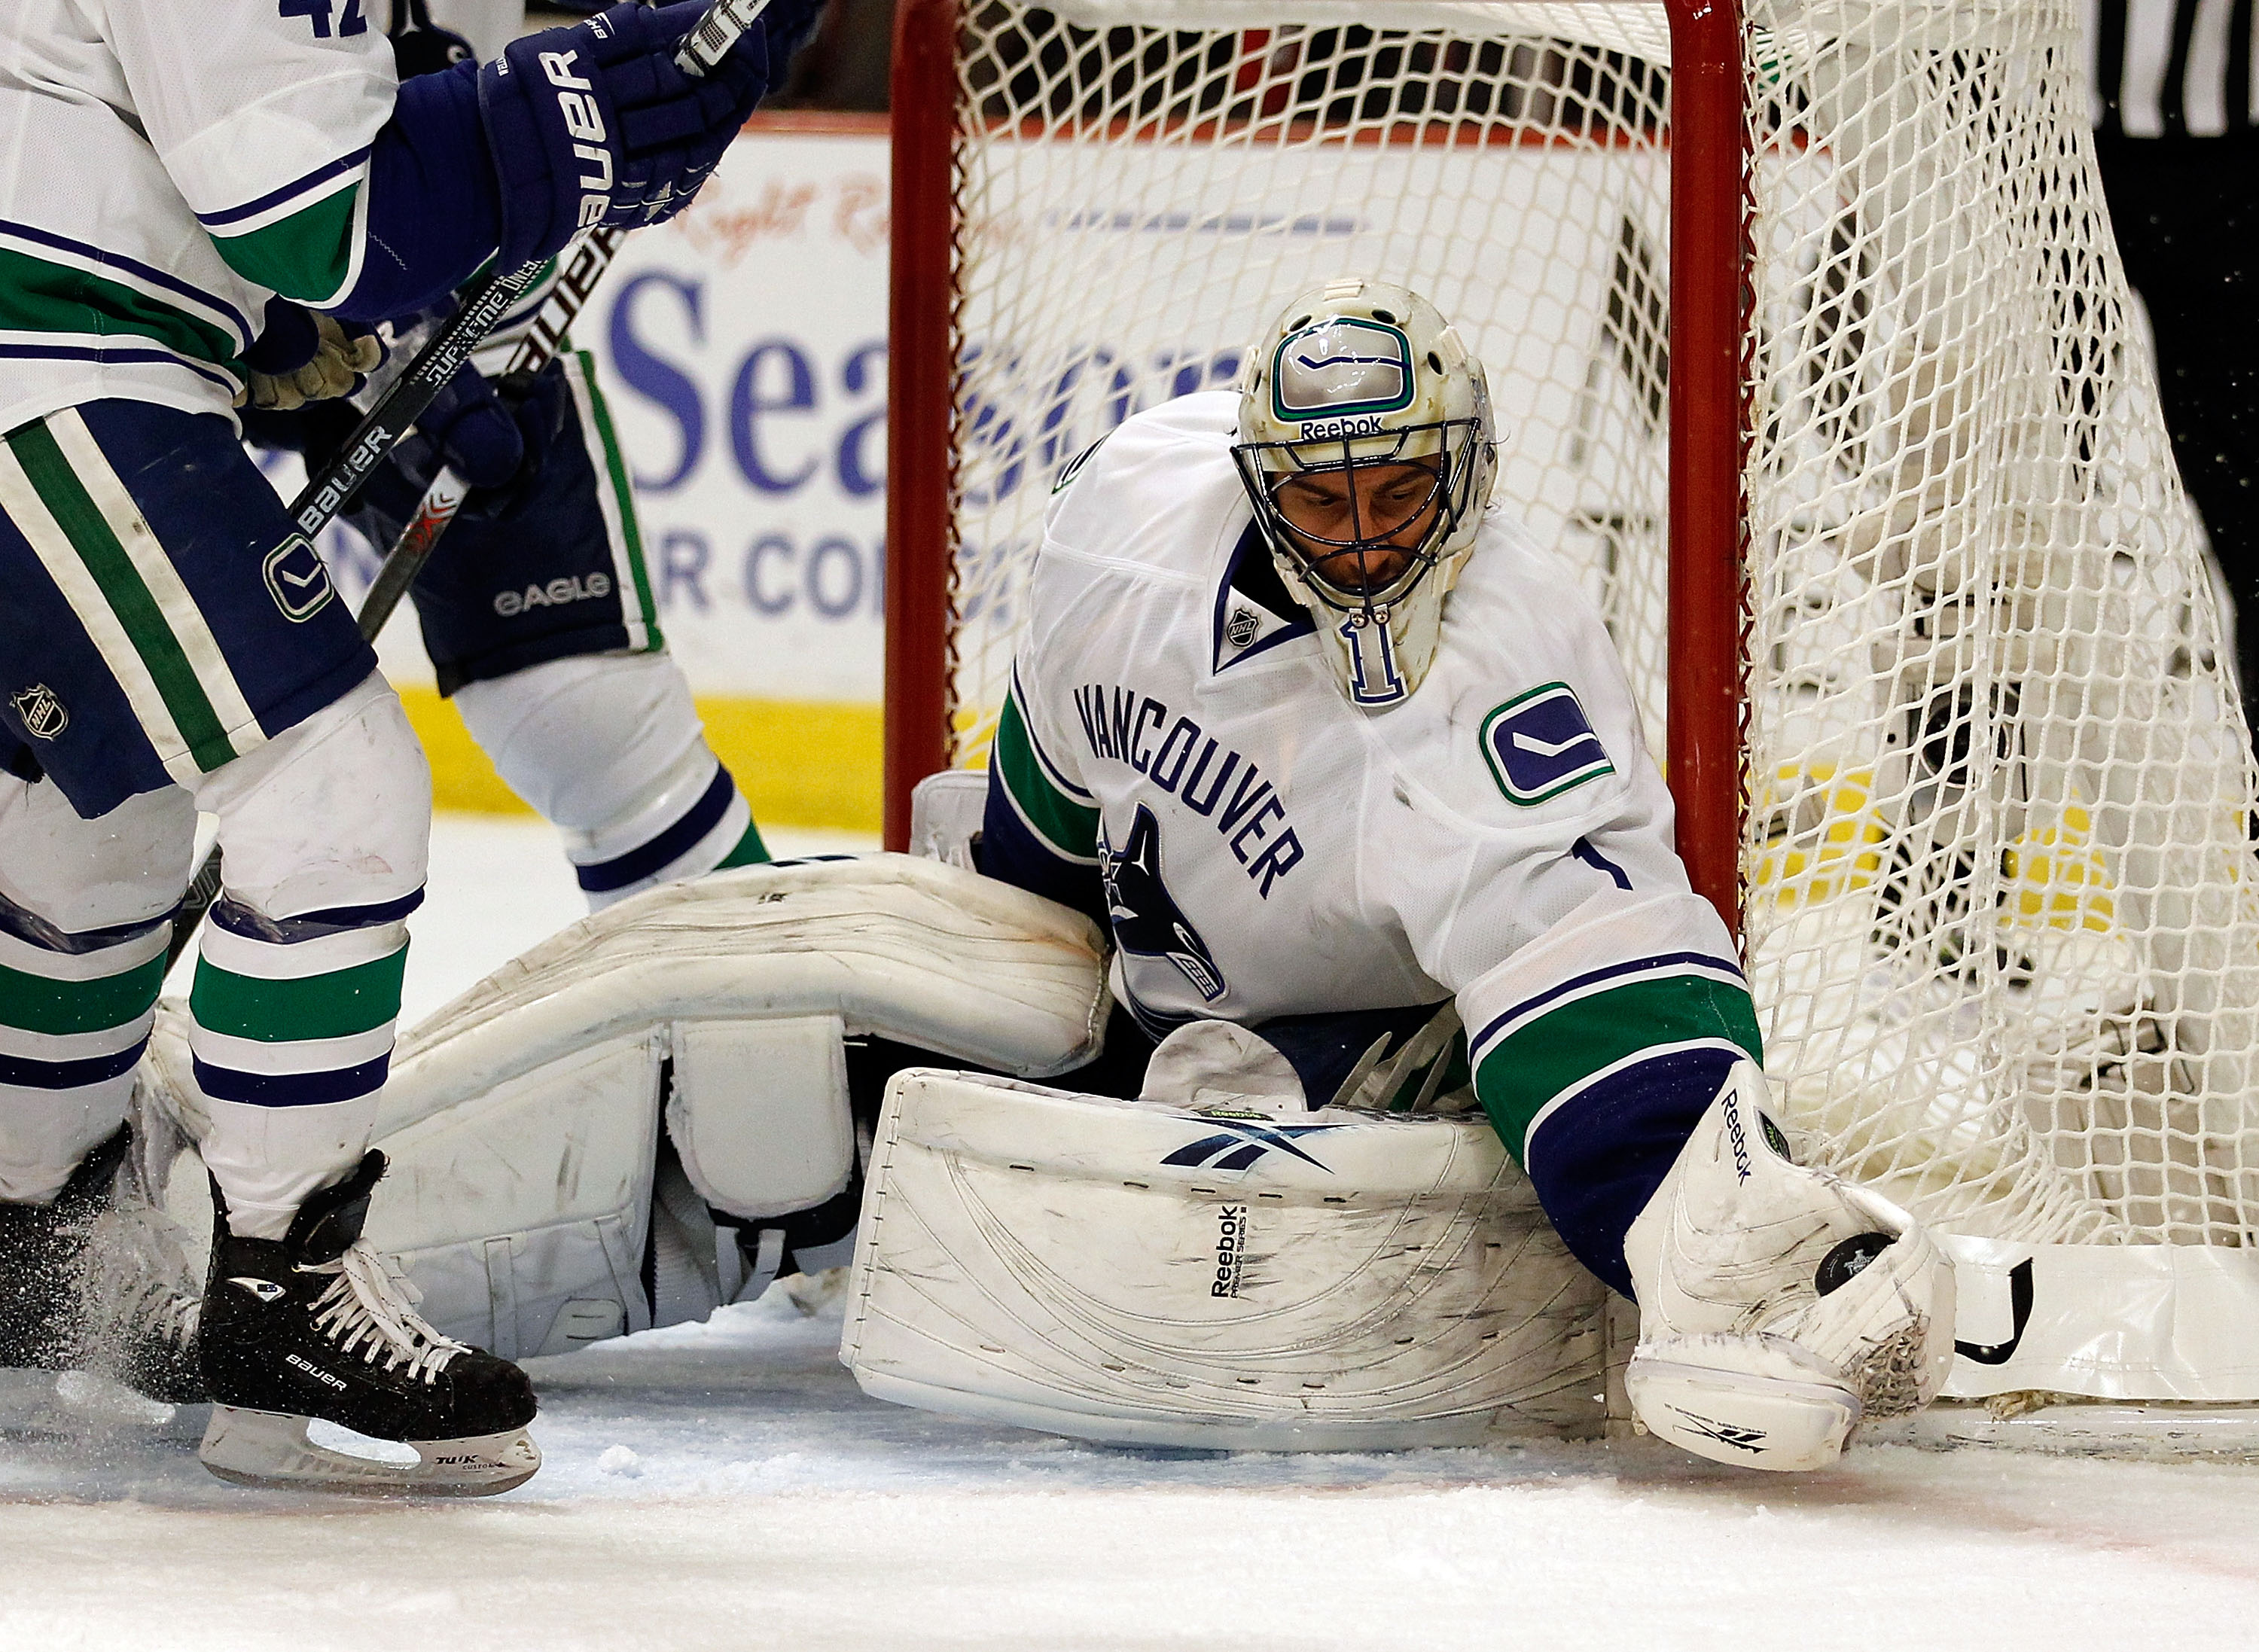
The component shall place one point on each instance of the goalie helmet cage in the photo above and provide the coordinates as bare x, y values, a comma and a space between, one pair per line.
1815, 359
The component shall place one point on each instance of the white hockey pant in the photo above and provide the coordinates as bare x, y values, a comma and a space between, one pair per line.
324, 831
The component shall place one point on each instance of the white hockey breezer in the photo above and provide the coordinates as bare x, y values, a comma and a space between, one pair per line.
1146, 1273
1780, 1306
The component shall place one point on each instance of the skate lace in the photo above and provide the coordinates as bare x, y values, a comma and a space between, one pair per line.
137, 1273
368, 1308
165, 1313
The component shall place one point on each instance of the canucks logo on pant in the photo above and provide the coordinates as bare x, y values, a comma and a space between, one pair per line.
1147, 923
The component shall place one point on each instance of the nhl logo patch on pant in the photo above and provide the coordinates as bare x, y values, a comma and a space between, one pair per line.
43, 714
296, 580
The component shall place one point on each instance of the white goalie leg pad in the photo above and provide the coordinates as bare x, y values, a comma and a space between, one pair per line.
521, 1120
1780, 1306
1144, 1274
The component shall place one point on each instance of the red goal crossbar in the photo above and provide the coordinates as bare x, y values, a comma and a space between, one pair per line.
1709, 410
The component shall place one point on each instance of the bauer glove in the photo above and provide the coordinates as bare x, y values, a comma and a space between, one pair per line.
596, 124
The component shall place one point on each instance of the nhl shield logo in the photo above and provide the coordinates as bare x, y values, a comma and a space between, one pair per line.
43, 714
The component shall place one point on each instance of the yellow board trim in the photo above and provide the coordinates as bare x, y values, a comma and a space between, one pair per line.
798, 763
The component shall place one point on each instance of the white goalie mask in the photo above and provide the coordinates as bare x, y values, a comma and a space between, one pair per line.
1367, 447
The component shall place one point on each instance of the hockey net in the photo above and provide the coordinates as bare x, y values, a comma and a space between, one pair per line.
1994, 786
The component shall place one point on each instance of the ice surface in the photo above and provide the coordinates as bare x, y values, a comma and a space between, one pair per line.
726, 1486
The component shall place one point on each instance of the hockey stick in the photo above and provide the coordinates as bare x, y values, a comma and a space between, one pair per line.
591, 257
330, 487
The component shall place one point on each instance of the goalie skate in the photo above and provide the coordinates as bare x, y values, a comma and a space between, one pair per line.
318, 1325
1779, 1305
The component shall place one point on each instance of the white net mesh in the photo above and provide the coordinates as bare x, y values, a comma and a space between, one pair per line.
2001, 912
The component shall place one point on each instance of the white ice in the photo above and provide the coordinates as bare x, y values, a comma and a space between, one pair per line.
725, 1485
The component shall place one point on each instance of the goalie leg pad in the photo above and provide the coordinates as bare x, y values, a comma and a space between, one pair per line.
1146, 1274
744, 985
1780, 1306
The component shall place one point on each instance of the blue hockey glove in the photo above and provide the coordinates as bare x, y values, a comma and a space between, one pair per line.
595, 124
493, 435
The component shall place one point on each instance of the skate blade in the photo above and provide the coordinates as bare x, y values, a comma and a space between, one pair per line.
271, 1448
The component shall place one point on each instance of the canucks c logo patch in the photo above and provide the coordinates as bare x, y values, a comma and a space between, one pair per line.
1541, 744
296, 580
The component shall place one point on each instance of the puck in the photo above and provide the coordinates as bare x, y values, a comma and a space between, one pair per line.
1847, 1261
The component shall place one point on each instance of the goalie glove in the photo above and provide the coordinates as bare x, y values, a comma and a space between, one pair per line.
1779, 1305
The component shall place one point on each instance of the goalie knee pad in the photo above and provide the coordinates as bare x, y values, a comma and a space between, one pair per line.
608, 748
1160, 1275
1780, 1306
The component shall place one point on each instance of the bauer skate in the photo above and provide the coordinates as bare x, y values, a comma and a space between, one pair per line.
318, 1325
95, 1281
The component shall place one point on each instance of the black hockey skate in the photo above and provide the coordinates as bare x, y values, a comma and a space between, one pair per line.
95, 1281
319, 1325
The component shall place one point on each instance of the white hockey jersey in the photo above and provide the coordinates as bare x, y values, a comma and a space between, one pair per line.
164, 168
1268, 850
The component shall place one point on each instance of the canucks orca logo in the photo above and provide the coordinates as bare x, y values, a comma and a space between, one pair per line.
1240, 1143
1146, 921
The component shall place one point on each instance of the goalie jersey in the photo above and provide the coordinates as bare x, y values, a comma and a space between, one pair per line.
1175, 758
164, 168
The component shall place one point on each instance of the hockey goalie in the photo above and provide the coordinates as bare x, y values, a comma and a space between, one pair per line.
1314, 1028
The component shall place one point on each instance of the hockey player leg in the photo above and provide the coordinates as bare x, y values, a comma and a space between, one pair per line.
324, 831
540, 624
1779, 1305
90, 1277
608, 747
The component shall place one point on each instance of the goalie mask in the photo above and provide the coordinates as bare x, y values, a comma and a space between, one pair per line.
1366, 445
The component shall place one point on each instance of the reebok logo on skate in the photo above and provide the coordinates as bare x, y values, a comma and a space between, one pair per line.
265, 1290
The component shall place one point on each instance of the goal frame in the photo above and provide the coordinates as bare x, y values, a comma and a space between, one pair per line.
1709, 403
